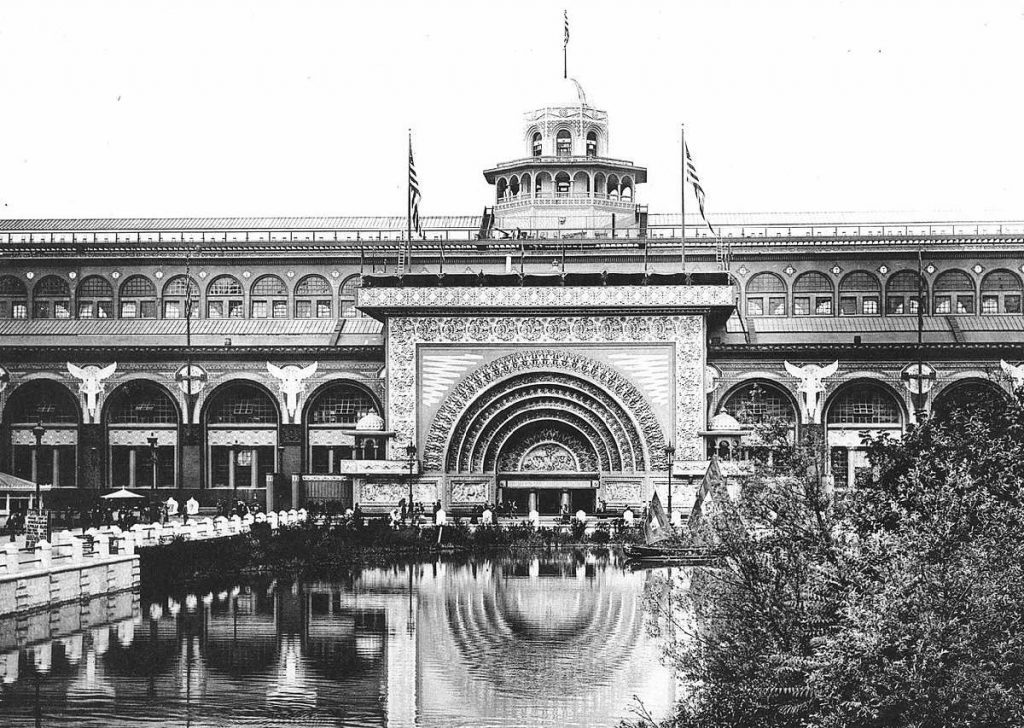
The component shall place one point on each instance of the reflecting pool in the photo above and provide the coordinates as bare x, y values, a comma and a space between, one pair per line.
552, 640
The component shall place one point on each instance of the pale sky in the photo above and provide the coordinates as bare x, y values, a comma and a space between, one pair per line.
302, 108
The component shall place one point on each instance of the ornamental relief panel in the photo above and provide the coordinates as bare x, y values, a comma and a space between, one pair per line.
469, 491
687, 332
389, 493
622, 491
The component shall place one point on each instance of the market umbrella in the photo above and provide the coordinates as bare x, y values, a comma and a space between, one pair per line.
122, 494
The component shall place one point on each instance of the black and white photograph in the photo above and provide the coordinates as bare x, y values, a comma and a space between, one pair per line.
511, 364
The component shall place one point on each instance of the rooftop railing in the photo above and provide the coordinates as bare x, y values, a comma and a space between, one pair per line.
544, 230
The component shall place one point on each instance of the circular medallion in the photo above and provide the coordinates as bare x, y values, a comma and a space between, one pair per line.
454, 329
505, 329
611, 329
558, 329
584, 329
663, 328
428, 330
637, 328
531, 329
479, 329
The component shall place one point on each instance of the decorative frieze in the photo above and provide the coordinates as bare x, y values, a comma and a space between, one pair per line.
557, 297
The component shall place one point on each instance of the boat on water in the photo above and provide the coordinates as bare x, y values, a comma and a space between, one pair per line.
662, 544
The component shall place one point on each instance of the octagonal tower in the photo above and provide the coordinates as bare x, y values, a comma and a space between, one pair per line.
566, 180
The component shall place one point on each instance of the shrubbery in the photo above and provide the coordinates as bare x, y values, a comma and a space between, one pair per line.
898, 604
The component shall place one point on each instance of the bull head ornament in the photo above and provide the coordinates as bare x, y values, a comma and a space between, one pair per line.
812, 388
91, 384
292, 382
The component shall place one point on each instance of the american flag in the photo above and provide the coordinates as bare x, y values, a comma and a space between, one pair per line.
414, 196
691, 176
566, 12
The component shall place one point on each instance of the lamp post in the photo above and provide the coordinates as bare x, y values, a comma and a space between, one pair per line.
38, 431
410, 452
670, 453
152, 455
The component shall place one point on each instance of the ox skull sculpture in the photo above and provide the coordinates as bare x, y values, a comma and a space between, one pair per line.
1014, 371
91, 384
812, 388
292, 381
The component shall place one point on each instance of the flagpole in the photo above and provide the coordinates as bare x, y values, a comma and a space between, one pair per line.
682, 201
408, 212
565, 47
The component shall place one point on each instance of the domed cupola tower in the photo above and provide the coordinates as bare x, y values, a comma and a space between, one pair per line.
566, 178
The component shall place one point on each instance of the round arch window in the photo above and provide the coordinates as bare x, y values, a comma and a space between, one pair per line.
13, 298
766, 295
563, 143
904, 293
224, 298
138, 298
860, 294
51, 298
812, 295
95, 298
1000, 292
954, 293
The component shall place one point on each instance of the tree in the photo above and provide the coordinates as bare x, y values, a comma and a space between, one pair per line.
898, 604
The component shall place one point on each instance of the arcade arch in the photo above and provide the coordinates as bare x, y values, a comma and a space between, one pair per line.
53, 406
855, 407
134, 413
241, 420
333, 409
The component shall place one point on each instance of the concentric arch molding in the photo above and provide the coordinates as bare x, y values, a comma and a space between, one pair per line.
685, 332
546, 298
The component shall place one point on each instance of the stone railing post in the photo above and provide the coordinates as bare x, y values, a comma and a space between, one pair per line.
45, 551
76, 549
12, 561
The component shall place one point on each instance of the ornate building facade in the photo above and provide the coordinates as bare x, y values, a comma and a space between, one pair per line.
567, 355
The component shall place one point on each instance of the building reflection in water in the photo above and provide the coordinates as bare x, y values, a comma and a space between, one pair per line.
557, 640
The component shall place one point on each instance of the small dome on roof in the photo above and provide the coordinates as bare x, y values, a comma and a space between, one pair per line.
560, 93
724, 422
370, 422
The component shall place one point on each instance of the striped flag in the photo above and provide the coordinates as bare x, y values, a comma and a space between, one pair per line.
691, 176
414, 197
566, 12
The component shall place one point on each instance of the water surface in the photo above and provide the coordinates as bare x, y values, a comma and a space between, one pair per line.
555, 640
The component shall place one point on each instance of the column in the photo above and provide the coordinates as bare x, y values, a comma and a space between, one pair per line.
330, 460
565, 497
35, 464
296, 491
231, 467
254, 469
132, 456
270, 493
56, 467
532, 501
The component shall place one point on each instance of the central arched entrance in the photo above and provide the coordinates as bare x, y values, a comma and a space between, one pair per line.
547, 425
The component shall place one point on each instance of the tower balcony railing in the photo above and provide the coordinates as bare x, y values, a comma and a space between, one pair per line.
515, 202
564, 159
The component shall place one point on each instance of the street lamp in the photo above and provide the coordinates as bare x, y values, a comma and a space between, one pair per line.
410, 452
152, 454
38, 431
670, 453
